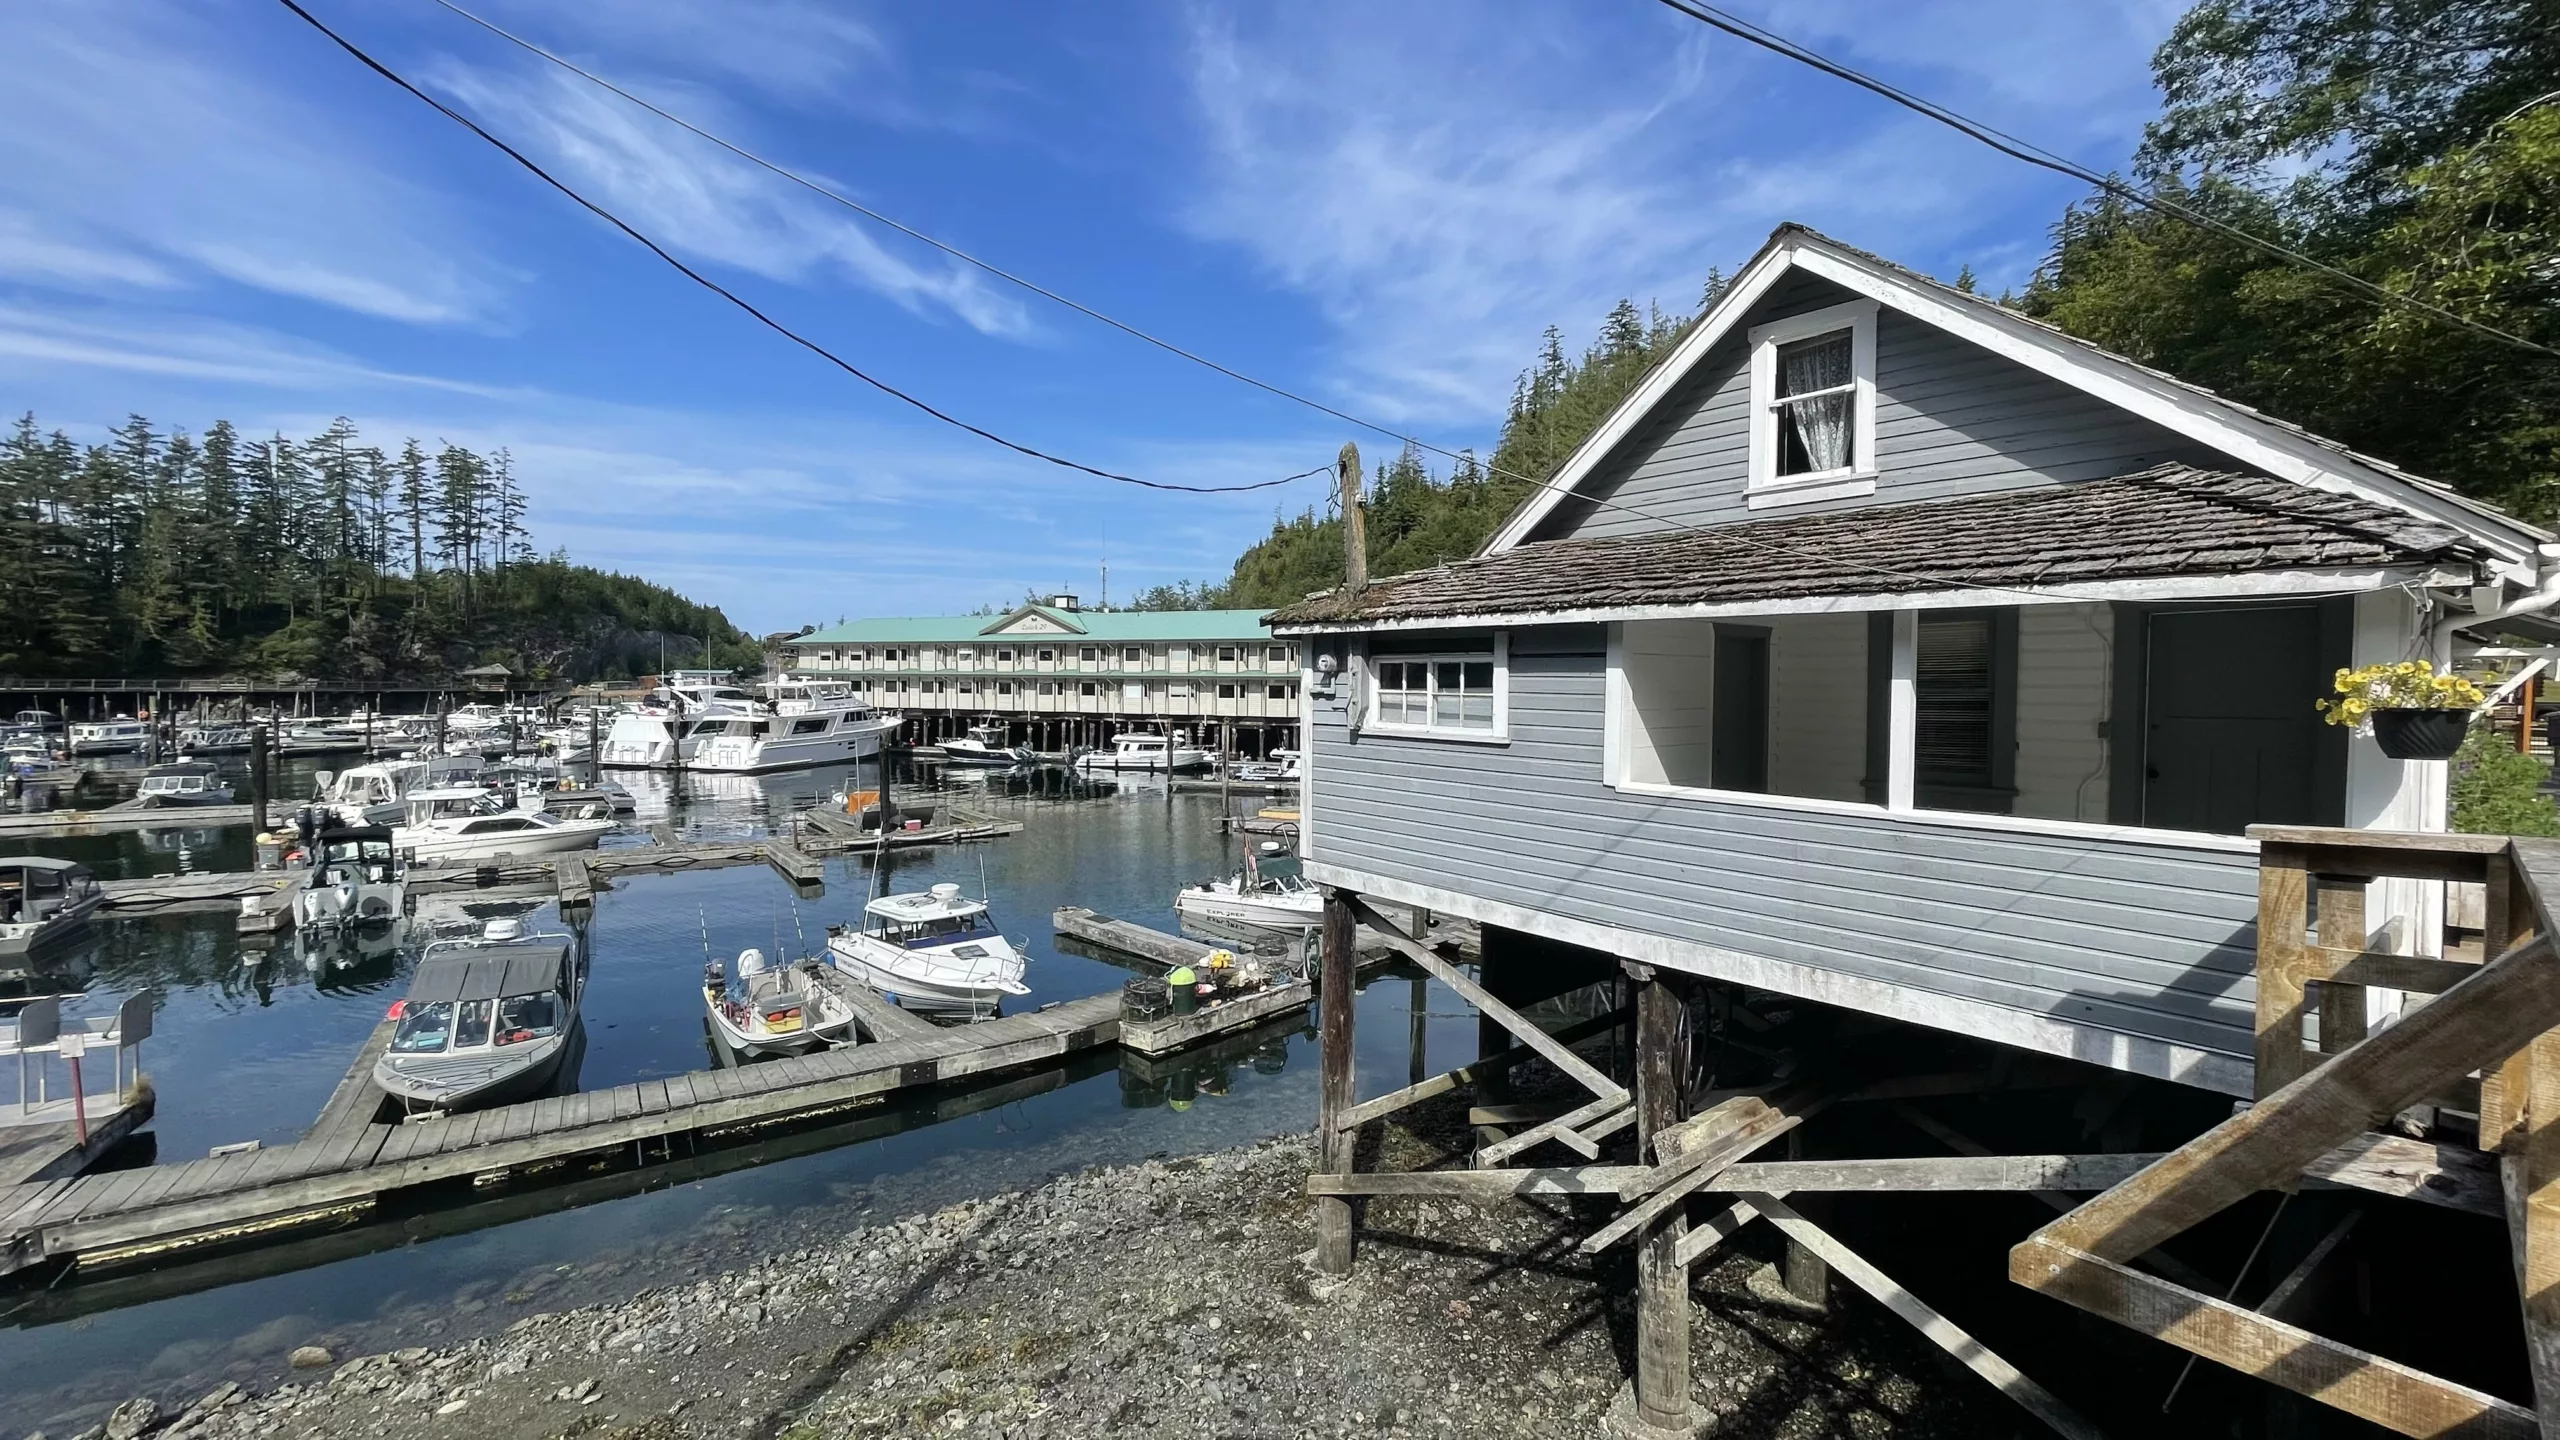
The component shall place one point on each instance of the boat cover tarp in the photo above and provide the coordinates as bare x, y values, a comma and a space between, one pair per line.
527, 970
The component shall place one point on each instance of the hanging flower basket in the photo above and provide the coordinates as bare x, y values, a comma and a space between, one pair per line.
2420, 734
2412, 712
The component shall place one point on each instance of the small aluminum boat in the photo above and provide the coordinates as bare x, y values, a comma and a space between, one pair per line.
762, 1009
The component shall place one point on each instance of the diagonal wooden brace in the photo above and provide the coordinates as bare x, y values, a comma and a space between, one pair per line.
1529, 1032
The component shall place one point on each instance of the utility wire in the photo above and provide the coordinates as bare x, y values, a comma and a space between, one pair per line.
2017, 149
785, 331
1726, 534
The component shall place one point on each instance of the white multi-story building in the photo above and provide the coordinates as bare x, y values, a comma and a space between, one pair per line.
1058, 675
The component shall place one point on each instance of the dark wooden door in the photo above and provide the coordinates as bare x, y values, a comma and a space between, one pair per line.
2232, 736
1738, 754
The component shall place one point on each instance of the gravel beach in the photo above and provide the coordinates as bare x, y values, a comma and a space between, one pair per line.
1168, 1298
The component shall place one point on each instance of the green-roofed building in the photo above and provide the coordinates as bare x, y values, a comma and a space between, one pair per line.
1059, 675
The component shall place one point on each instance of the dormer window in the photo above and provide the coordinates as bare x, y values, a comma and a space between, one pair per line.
1813, 413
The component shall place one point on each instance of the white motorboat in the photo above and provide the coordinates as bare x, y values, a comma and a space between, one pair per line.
810, 722
371, 794
183, 782
43, 900
467, 823
1269, 893
218, 739
485, 1022
1144, 750
667, 729
762, 1009
934, 950
1279, 766
109, 737
356, 879
984, 745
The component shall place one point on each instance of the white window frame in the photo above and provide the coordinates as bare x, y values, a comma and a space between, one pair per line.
1228, 692
1278, 692
1500, 734
1768, 488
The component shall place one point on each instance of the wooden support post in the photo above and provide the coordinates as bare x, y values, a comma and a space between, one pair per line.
1803, 1273
2341, 927
2507, 916
1334, 997
2283, 892
2531, 1171
1662, 1282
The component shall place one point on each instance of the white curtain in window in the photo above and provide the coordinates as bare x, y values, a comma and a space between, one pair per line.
1822, 421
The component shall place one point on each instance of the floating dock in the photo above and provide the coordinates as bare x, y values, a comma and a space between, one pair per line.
41, 1142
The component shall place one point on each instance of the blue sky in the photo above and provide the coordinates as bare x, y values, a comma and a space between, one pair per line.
206, 211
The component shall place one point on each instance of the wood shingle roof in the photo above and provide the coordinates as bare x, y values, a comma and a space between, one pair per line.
2171, 521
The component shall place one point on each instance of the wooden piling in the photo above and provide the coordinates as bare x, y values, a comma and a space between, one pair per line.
1662, 1288
1335, 996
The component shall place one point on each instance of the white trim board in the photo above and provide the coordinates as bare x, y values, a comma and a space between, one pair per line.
2022, 1029
2292, 583
2249, 439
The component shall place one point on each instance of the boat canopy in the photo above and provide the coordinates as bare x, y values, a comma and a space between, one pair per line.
355, 834
489, 975
39, 862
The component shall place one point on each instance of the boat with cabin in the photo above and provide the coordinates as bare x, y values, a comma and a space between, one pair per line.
758, 1008
43, 901
375, 793
807, 722
356, 879
667, 729
219, 738
985, 745
183, 782
487, 1021
468, 823
1144, 750
121, 736
930, 950
1269, 893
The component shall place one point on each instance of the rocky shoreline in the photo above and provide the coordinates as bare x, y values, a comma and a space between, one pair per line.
1165, 1298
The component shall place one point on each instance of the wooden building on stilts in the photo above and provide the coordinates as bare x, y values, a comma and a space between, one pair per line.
1895, 670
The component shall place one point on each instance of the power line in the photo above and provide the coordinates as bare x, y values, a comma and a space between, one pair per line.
785, 331
2017, 149
1728, 534
1537, 484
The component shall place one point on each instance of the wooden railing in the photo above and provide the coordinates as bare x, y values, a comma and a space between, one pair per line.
2494, 1017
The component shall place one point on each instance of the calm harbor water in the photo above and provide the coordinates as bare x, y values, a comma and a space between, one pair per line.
250, 1041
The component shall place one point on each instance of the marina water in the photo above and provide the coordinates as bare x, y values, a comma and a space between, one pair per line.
249, 1043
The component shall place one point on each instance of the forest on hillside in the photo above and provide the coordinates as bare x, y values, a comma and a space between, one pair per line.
2414, 146
175, 554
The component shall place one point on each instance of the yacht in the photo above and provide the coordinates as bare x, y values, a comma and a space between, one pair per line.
372, 794
467, 823
1282, 765
109, 737
809, 722
184, 782
930, 951
985, 745
485, 1022
224, 738
355, 879
1144, 750
43, 900
1269, 893
666, 730
760, 1009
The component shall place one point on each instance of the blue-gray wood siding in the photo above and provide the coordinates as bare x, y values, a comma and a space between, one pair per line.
2150, 940
1951, 419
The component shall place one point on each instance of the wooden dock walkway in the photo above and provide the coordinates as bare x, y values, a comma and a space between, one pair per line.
345, 1170
42, 1142
57, 824
879, 1017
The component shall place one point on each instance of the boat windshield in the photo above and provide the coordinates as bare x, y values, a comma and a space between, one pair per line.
423, 1028
528, 1017
473, 1027
1281, 870
941, 930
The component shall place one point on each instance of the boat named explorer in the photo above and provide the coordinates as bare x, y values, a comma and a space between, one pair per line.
811, 722
1269, 893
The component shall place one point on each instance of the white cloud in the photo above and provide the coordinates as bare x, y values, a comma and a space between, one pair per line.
1536, 167
131, 341
783, 48
697, 199
133, 150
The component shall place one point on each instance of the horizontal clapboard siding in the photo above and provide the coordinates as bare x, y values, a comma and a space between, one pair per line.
2148, 940
1951, 419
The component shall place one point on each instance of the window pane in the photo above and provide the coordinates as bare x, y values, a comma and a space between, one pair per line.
1480, 675
1390, 675
1448, 676
1446, 711
1814, 434
1478, 712
473, 1027
1805, 366
1954, 739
